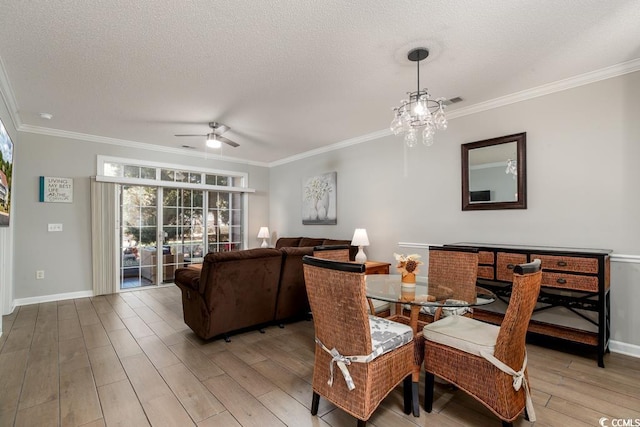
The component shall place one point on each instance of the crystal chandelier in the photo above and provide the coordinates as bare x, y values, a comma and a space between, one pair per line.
419, 113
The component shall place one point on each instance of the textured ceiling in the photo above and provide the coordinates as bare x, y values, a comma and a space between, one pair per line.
287, 76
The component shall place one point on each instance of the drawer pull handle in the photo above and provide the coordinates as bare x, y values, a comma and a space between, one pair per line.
561, 281
562, 264
511, 266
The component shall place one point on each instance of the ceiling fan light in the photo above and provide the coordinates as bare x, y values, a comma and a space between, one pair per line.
212, 141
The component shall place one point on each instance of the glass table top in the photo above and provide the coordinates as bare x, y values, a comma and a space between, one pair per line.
389, 287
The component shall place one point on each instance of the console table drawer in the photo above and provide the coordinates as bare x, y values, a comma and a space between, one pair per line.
506, 264
485, 257
570, 281
565, 263
485, 272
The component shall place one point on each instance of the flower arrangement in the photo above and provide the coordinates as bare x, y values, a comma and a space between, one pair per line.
316, 189
408, 266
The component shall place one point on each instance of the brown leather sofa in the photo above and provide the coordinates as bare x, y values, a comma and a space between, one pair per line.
249, 288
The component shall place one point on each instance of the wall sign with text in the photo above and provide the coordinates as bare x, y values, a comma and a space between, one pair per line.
56, 190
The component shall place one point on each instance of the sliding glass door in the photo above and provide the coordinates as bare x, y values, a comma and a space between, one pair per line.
138, 235
149, 249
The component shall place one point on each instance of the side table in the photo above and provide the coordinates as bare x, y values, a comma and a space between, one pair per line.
379, 308
377, 267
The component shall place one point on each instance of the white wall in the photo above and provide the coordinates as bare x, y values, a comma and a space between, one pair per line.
583, 146
66, 256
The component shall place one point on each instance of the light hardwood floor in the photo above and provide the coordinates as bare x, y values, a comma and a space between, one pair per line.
129, 359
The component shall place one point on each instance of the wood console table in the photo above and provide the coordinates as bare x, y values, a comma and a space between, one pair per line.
574, 301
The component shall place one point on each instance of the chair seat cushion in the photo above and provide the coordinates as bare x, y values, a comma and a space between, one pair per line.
463, 333
387, 335
448, 311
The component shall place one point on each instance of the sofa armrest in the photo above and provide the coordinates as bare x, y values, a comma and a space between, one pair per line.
188, 278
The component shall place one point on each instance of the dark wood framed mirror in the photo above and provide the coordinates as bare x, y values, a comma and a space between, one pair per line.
494, 173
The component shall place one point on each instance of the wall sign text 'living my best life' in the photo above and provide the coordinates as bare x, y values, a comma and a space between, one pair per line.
56, 190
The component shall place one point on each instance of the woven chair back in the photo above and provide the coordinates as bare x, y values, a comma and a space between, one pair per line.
338, 304
510, 344
336, 253
455, 268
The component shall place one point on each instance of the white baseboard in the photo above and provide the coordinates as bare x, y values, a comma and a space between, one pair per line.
624, 348
48, 298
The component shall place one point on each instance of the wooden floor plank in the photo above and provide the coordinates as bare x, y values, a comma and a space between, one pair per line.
106, 365
72, 355
289, 411
41, 380
42, 415
224, 419
95, 335
79, 402
241, 404
157, 352
124, 344
120, 405
194, 396
201, 366
245, 375
111, 321
12, 368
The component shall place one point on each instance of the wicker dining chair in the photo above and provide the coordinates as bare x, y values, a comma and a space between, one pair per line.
373, 355
455, 268
488, 362
341, 253
452, 267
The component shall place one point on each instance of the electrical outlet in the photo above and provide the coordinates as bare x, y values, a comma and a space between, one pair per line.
39, 274
54, 227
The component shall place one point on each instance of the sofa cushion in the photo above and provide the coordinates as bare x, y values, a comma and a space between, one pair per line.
310, 241
287, 242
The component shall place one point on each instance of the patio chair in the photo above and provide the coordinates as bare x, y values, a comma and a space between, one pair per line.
373, 355
486, 361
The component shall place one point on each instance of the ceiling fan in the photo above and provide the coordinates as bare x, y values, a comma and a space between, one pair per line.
215, 138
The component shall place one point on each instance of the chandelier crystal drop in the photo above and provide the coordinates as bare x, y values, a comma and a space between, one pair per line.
419, 115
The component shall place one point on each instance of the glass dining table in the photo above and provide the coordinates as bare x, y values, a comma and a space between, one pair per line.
389, 288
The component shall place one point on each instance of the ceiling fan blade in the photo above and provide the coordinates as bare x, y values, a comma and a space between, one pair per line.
219, 129
191, 135
228, 141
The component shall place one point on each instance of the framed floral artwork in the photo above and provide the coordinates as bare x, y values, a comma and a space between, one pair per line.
319, 200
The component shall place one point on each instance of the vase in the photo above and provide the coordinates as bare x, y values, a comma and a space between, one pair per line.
408, 292
408, 278
322, 207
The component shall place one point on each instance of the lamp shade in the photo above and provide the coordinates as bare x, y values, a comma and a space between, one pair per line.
360, 237
263, 233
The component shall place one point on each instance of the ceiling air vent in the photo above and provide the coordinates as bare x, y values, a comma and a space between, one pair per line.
454, 100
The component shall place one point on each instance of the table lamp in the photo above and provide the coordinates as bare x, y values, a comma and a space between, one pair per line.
264, 235
360, 239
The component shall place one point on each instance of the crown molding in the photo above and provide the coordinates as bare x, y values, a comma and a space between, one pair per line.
133, 144
547, 89
6, 92
332, 147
